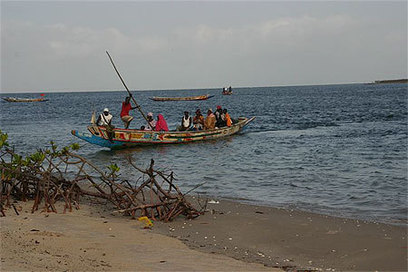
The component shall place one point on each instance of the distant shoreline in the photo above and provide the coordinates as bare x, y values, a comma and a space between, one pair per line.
390, 81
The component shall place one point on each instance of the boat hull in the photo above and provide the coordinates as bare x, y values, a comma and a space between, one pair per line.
191, 98
125, 138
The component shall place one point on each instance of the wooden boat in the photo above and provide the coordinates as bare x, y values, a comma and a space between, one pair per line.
191, 98
124, 138
13, 99
227, 91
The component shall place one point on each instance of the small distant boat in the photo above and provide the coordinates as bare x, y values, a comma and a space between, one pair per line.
125, 138
190, 98
14, 99
227, 91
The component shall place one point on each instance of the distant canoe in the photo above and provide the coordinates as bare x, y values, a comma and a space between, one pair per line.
227, 91
13, 99
124, 138
191, 98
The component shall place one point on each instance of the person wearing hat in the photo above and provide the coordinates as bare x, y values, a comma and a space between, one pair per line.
198, 120
186, 122
209, 122
105, 120
151, 121
124, 114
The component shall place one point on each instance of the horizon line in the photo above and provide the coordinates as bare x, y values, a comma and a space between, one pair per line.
184, 89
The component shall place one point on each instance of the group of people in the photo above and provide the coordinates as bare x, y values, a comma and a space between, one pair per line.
218, 119
105, 118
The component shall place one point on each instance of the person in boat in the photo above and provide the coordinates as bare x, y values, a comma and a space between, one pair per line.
218, 119
209, 122
198, 120
105, 120
124, 114
161, 124
223, 120
186, 122
228, 120
152, 122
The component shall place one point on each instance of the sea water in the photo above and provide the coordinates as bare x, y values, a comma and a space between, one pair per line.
332, 149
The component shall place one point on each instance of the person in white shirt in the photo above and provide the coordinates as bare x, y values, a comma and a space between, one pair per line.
186, 122
105, 120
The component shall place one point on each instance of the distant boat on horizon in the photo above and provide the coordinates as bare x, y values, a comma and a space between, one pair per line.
16, 99
227, 90
190, 98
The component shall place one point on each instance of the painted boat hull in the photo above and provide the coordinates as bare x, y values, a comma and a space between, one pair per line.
125, 138
191, 98
13, 99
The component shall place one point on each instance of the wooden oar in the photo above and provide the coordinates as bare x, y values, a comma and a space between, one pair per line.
127, 89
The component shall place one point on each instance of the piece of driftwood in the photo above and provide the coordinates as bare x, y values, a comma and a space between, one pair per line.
49, 176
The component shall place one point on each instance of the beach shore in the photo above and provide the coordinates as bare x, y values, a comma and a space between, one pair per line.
230, 237
293, 239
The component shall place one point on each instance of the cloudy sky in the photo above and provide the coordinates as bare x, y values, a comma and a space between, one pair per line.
60, 46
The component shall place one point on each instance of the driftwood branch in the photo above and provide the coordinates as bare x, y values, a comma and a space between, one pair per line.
44, 179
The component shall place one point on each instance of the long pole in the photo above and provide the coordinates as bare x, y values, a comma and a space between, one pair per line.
127, 89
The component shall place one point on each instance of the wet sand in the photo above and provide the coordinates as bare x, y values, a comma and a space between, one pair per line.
293, 239
230, 237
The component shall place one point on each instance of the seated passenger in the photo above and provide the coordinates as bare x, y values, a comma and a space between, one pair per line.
152, 123
105, 120
218, 120
227, 118
198, 120
186, 122
209, 122
161, 124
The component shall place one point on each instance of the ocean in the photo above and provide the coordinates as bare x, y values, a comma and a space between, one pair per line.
332, 149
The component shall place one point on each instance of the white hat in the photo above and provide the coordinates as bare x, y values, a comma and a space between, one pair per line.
105, 110
150, 114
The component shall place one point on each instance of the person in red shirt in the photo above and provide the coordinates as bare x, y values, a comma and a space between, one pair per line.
124, 114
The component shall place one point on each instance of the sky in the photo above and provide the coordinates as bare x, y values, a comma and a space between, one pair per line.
49, 46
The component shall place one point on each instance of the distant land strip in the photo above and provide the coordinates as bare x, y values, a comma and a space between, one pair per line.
390, 81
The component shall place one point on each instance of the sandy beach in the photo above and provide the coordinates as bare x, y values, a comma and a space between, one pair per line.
230, 237
90, 239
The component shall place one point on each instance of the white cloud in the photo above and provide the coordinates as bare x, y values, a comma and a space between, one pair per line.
261, 53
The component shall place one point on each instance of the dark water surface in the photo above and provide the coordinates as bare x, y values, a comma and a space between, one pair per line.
334, 149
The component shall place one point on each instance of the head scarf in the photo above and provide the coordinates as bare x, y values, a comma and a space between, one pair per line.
161, 123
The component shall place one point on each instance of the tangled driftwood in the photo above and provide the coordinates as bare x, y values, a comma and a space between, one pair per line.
51, 175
